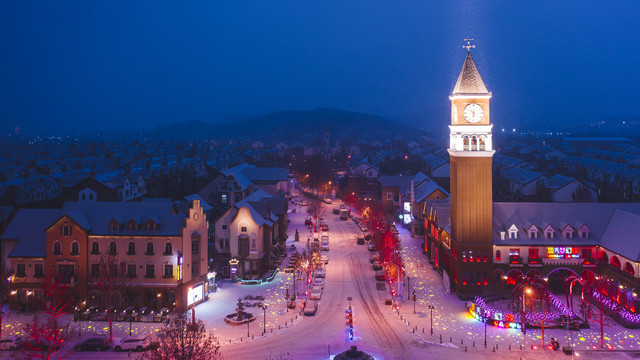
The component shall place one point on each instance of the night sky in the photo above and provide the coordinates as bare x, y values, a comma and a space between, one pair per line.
70, 66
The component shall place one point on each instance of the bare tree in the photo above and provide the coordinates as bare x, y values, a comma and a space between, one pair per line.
183, 340
44, 339
5, 274
112, 282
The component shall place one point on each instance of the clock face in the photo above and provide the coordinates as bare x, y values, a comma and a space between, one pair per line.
454, 113
473, 113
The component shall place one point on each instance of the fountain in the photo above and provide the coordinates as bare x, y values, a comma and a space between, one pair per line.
240, 316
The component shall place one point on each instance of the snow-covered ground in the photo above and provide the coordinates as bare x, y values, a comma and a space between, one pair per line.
382, 331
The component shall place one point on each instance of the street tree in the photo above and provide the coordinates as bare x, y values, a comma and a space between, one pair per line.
184, 340
44, 338
113, 283
5, 280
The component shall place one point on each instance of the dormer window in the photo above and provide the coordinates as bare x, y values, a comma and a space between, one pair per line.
513, 232
567, 233
132, 226
533, 232
548, 232
583, 232
151, 225
114, 225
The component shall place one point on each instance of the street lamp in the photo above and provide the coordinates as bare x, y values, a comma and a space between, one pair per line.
409, 287
525, 291
286, 297
431, 308
414, 301
485, 332
264, 322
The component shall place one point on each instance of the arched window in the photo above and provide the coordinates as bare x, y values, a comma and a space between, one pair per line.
474, 143
112, 248
149, 248
95, 248
628, 268
168, 248
465, 143
65, 230
131, 249
482, 147
56, 248
498, 255
615, 261
604, 257
75, 248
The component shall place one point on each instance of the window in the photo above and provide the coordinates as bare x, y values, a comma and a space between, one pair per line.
548, 233
149, 248
112, 248
168, 271
513, 232
132, 226
514, 252
56, 248
20, 270
38, 270
195, 269
243, 229
533, 253
113, 270
115, 226
95, 270
567, 233
533, 233
224, 227
95, 248
131, 270
131, 249
151, 225
195, 246
65, 230
586, 253
149, 271
75, 248
254, 246
168, 249
223, 199
464, 256
389, 196
498, 257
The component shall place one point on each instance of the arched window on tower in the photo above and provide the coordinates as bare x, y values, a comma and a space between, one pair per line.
482, 147
474, 143
465, 143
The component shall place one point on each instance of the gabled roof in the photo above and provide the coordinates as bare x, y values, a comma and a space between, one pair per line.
621, 236
28, 227
469, 81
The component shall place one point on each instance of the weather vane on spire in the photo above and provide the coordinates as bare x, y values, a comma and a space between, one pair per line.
468, 46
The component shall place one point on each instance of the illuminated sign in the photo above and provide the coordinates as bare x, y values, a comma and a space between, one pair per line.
496, 319
407, 218
407, 207
562, 252
195, 294
179, 266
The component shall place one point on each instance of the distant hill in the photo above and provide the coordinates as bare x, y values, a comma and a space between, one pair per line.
286, 124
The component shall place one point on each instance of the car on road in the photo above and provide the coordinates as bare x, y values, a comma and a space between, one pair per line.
308, 222
380, 275
324, 259
310, 308
327, 201
372, 247
316, 294
374, 257
318, 282
134, 342
324, 246
360, 241
10, 343
324, 227
96, 343
320, 273
377, 265
336, 211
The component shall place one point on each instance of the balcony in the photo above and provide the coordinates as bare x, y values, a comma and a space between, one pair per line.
535, 262
515, 261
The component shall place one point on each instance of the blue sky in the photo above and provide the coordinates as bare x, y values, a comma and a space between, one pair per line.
130, 65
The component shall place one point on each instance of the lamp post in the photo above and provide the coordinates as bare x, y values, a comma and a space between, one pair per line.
264, 322
525, 291
414, 301
286, 297
485, 332
409, 287
79, 321
431, 309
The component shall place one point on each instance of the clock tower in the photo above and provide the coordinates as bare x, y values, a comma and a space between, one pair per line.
471, 152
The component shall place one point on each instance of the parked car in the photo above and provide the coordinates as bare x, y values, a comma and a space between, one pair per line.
10, 343
318, 281
315, 295
380, 275
310, 308
93, 344
324, 227
320, 273
374, 257
134, 342
336, 211
360, 241
372, 247
377, 265
324, 259
327, 201
325, 246
308, 222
